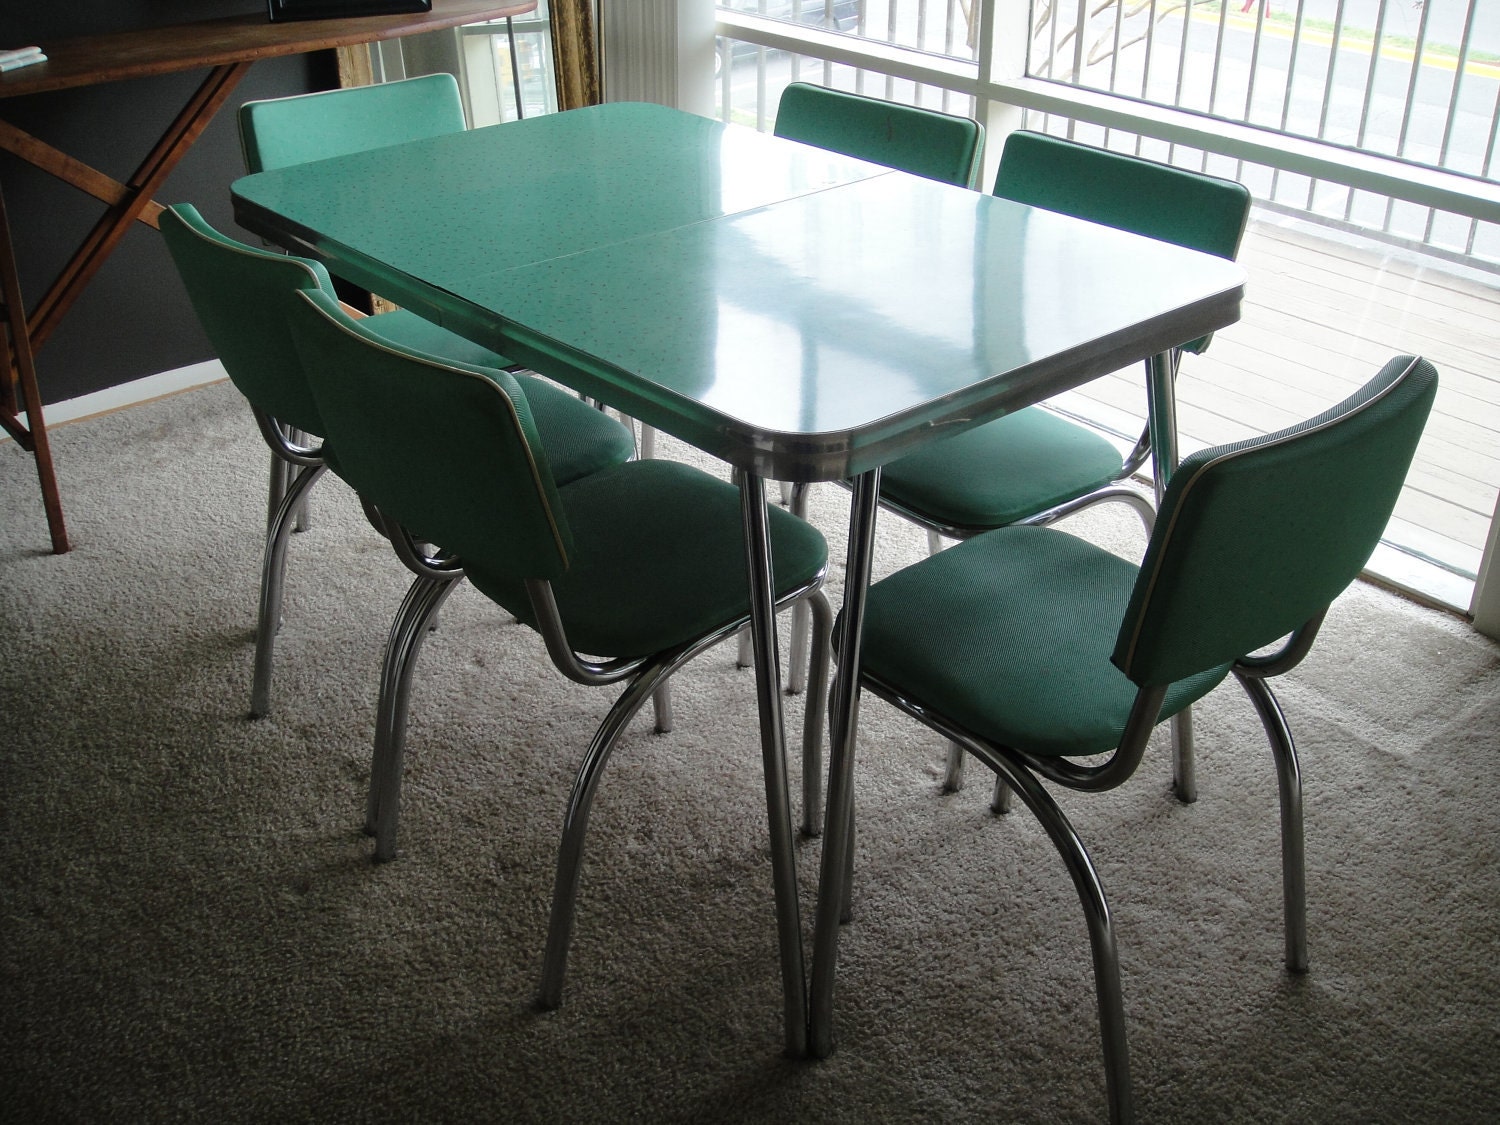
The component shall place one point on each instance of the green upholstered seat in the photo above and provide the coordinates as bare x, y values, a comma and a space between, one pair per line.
241, 296
1035, 466
1030, 648
644, 577
280, 132
1011, 637
924, 142
626, 574
1003, 472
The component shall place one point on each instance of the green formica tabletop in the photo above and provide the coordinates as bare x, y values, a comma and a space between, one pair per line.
801, 315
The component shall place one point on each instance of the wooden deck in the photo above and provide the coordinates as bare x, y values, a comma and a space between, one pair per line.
1321, 316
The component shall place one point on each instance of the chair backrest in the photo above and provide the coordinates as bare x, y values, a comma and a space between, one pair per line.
284, 131
1128, 193
447, 450
242, 295
1256, 539
924, 142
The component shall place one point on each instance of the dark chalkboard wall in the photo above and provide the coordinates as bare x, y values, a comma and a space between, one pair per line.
133, 319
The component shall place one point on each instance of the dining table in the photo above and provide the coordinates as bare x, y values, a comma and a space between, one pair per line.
797, 314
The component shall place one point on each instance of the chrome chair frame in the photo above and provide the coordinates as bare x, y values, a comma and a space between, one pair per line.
436, 577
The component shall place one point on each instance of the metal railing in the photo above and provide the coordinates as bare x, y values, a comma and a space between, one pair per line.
1412, 87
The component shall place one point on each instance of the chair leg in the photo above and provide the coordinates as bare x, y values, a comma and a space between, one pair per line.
821, 627
515, 65
273, 583
661, 705
408, 630
280, 480
1289, 788
1000, 800
953, 769
796, 673
575, 825
304, 511
1184, 769
1101, 932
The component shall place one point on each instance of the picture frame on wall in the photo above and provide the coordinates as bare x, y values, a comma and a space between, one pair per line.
333, 9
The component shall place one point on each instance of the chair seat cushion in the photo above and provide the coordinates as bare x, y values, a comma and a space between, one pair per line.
658, 558
1010, 634
1002, 472
578, 438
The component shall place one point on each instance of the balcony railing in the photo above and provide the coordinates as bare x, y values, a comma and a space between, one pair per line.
1412, 86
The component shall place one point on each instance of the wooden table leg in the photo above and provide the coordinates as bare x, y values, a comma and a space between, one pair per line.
128, 203
20, 374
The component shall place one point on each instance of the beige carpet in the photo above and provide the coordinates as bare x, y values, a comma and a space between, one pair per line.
192, 930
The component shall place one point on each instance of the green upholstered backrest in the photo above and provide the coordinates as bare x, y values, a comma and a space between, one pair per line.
1125, 192
241, 296
447, 450
924, 142
1254, 540
284, 131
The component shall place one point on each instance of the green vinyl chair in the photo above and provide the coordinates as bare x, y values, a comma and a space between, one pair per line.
240, 294
924, 142
280, 132
1050, 659
641, 565
1036, 466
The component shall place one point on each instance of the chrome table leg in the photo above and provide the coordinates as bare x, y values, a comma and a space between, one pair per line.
1161, 411
773, 753
843, 710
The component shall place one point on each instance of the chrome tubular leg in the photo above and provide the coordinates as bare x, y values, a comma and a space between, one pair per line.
773, 755
1000, 800
272, 585
1184, 762
648, 442
796, 674
304, 514
1289, 787
1161, 420
280, 480
744, 655
953, 770
934, 542
833, 885
1101, 934
661, 703
821, 628
408, 631
575, 827
515, 65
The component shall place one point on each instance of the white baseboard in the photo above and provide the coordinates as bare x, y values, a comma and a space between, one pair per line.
133, 393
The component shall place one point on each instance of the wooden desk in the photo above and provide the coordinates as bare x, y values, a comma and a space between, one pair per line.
228, 47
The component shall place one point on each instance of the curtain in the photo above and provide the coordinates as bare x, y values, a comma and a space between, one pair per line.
575, 53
